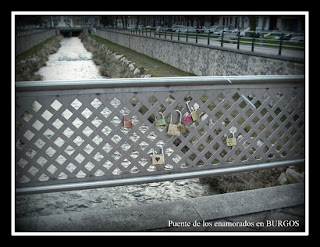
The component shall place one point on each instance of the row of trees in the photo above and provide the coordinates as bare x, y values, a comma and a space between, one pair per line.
125, 20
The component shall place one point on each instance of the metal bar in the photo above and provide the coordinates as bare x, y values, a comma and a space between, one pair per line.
156, 81
157, 178
238, 42
280, 45
222, 34
252, 47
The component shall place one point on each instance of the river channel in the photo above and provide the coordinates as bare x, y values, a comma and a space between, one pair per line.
74, 62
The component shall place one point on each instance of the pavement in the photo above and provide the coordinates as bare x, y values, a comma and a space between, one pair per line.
274, 210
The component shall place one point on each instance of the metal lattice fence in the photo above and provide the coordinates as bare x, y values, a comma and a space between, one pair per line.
73, 133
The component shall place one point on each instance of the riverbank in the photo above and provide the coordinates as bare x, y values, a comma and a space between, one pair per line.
29, 62
147, 65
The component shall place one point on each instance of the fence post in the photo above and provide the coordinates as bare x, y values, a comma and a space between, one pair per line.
222, 34
187, 36
238, 43
252, 47
196, 37
179, 34
280, 45
208, 37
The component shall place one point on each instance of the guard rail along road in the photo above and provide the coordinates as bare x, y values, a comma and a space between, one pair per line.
96, 133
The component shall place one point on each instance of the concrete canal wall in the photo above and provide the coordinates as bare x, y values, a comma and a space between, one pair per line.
204, 60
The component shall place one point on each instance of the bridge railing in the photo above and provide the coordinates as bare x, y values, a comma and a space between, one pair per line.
260, 42
20, 32
71, 134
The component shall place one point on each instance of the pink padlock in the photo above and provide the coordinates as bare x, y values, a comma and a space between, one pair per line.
187, 117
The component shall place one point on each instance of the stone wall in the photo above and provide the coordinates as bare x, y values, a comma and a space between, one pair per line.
204, 60
25, 43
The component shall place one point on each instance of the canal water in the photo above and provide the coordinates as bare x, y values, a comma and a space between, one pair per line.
71, 62
74, 62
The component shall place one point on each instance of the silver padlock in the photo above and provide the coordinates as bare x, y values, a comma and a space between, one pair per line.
158, 159
194, 113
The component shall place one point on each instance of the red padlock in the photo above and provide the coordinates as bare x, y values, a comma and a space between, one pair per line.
127, 123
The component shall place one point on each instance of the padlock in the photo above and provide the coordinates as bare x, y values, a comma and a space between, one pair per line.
127, 123
231, 142
182, 128
187, 117
173, 129
194, 113
161, 121
158, 159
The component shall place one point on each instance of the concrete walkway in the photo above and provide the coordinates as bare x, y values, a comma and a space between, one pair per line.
274, 209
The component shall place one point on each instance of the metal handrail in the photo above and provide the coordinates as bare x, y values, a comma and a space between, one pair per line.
155, 82
156, 178
211, 38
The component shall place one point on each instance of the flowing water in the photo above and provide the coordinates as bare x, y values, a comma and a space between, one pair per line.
74, 62
71, 62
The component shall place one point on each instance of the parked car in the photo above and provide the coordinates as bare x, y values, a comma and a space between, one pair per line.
229, 35
284, 36
247, 33
218, 30
271, 35
161, 29
175, 27
290, 36
297, 39
212, 28
203, 30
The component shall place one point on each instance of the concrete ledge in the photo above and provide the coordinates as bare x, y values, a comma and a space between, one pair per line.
157, 216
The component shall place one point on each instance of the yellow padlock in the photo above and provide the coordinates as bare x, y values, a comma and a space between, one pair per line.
182, 128
194, 113
232, 141
173, 129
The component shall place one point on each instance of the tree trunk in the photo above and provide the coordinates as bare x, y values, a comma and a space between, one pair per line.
253, 23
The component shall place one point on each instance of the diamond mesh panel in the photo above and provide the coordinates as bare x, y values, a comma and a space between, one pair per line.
78, 135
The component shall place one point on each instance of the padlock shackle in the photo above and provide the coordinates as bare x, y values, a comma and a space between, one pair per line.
162, 152
161, 114
187, 102
161, 149
180, 115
